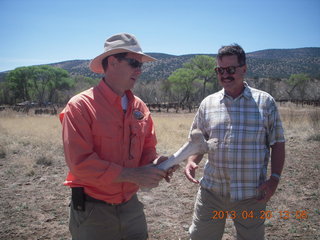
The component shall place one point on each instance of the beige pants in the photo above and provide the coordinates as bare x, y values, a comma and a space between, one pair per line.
211, 212
102, 222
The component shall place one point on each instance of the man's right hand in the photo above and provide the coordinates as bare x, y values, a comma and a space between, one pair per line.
145, 177
192, 165
190, 171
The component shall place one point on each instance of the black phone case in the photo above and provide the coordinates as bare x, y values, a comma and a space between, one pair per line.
78, 198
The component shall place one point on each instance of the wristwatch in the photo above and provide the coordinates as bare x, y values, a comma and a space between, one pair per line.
275, 175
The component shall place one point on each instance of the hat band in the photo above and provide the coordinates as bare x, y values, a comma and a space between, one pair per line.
131, 49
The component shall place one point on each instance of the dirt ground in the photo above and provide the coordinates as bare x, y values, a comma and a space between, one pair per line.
34, 203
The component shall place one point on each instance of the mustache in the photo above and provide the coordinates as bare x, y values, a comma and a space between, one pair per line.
229, 78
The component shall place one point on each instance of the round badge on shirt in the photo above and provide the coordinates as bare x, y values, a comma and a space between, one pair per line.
138, 114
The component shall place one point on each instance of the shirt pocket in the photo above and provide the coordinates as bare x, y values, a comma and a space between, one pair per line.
253, 135
254, 129
105, 139
138, 130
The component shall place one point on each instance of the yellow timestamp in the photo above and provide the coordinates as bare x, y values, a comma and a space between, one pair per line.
301, 214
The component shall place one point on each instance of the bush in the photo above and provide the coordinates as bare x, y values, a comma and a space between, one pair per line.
2, 153
44, 161
315, 137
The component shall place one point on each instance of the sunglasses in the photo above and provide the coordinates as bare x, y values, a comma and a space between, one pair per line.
133, 62
230, 70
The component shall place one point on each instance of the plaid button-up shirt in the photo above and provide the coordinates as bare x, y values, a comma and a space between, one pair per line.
246, 127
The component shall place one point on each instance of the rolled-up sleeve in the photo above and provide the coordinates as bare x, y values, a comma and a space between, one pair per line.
84, 163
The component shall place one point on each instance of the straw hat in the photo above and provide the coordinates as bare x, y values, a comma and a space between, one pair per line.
118, 43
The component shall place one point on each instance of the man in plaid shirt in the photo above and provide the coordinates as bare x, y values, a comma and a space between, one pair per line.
235, 183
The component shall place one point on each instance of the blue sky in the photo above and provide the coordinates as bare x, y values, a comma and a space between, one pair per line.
47, 31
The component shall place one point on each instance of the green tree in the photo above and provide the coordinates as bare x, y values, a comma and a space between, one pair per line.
38, 83
6, 96
298, 84
19, 81
182, 83
203, 67
194, 80
60, 81
84, 83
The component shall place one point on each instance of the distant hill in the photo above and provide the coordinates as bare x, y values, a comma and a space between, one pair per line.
270, 63
281, 63
286, 53
152, 71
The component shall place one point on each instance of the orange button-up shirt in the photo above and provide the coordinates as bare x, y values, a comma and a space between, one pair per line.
100, 140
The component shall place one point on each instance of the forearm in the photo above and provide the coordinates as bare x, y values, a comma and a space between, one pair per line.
126, 175
146, 176
277, 161
277, 157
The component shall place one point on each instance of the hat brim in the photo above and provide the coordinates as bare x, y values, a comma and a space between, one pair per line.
95, 64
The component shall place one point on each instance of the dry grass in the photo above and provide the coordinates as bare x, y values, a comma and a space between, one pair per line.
304, 122
35, 204
37, 139
172, 131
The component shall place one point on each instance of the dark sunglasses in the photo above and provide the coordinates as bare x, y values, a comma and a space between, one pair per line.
230, 70
133, 62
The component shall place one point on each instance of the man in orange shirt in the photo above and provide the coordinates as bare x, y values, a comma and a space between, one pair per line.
110, 144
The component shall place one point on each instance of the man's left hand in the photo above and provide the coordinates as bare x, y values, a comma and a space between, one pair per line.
170, 171
268, 189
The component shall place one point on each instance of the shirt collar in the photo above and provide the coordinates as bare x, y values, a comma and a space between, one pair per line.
110, 95
246, 92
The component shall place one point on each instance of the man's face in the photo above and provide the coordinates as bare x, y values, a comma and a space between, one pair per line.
125, 72
231, 82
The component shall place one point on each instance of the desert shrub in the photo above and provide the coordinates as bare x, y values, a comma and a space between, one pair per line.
315, 137
2, 153
45, 161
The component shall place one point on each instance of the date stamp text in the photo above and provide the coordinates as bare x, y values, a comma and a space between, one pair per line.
303, 214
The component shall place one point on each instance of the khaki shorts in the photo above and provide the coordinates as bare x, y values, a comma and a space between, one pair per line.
101, 221
210, 215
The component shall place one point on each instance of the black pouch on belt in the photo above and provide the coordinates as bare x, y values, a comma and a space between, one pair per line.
78, 198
